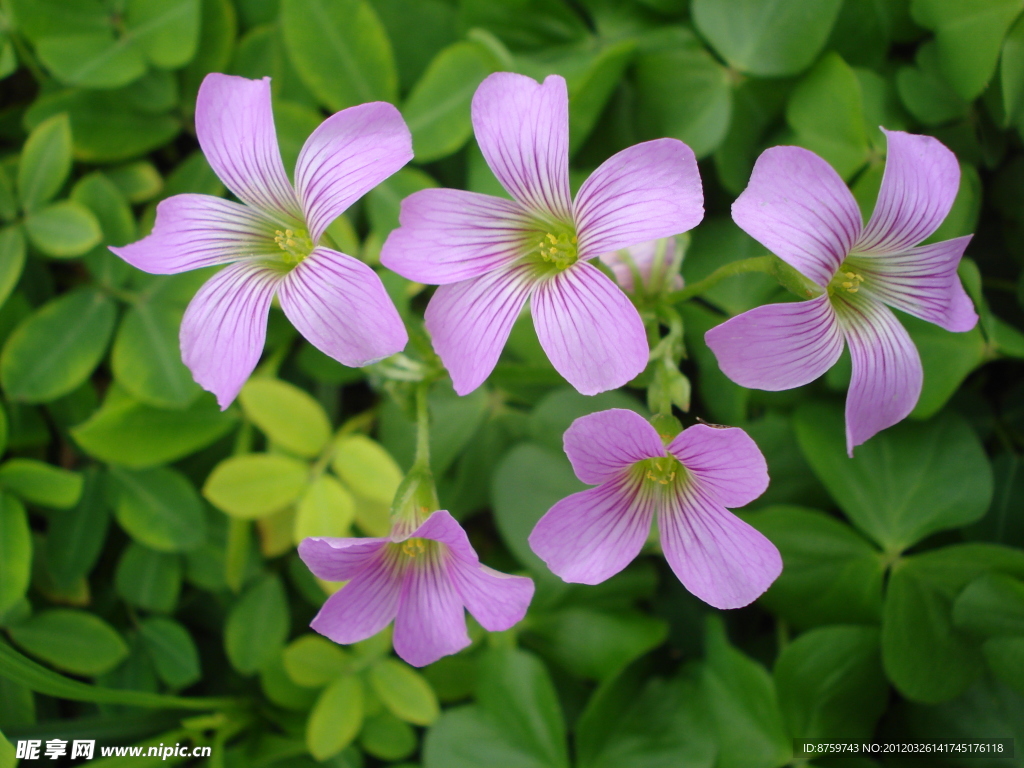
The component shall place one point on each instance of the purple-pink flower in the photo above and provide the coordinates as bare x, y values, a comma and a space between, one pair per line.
798, 207
271, 241
421, 581
689, 483
655, 262
490, 255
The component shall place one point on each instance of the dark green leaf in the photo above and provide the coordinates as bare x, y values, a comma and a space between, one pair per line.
45, 162
992, 604
172, 650
40, 483
74, 539
159, 508
97, 647
15, 552
63, 229
257, 625
148, 579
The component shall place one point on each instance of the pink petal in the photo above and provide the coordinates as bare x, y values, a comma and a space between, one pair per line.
601, 444
590, 536
469, 322
647, 191
448, 235
348, 155
919, 186
718, 557
726, 461
522, 128
235, 128
887, 370
922, 282
338, 559
778, 346
339, 304
193, 231
431, 622
364, 606
589, 329
643, 257
798, 208
225, 325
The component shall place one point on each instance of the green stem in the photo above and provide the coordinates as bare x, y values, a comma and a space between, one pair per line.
422, 427
755, 264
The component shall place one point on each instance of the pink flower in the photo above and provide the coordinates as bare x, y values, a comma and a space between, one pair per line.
799, 208
271, 241
655, 261
592, 535
490, 255
421, 581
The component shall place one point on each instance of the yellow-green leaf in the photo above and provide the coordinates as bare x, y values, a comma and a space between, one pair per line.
326, 509
367, 468
289, 416
313, 661
255, 485
336, 718
404, 691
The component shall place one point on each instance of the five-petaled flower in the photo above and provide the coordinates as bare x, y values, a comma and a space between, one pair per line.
490, 254
272, 242
421, 581
592, 535
800, 209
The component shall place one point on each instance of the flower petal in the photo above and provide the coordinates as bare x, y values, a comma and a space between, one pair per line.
798, 208
431, 622
647, 191
725, 460
469, 322
339, 304
522, 128
225, 325
193, 231
922, 282
235, 128
589, 329
601, 444
919, 185
887, 371
778, 346
590, 536
718, 557
364, 606
348, 155
338, 559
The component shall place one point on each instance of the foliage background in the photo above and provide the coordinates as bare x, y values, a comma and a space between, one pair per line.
147, 539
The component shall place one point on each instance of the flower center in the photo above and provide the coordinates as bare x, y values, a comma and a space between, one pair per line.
295, 244
557, 248
663, 470
414, 547
845, 280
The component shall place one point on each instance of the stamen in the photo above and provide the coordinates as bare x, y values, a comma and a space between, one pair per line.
296, 245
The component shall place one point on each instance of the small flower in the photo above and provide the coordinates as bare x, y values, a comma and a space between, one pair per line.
490, 255
421, 581
799, 208
592, 535
271, 242
655, 262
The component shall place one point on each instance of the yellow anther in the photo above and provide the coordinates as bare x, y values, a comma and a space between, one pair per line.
413, 547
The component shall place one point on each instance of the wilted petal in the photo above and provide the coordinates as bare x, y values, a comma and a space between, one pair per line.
919, 185
348, 155
726, 461
448, 235
647, 191
339, 304
522, 128
364, 606
778, 346
225, 325
887, 371
922, 282
431, 622
718, 557
601, 444
193, 231
590, 536
589, 329
798, 208
338, 559
469, 322
235, 128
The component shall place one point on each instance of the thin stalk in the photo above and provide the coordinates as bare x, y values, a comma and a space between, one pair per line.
755, 264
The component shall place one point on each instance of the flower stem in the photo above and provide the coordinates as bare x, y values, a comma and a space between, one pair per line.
755, 264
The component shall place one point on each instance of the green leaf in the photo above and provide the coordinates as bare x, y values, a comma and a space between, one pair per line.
159, 508
74, 540
340, 50
831, 684
173, 651
404, 692
139, 181
523, 24
992, 604
925, 92
767, 38
45, 162
97, 647
15, 552
1005, 657
63, 229
904, 484
12, 259
8, 757
325, 509
92, 59
1011, 71
384, 201
385, 736
166, 31
313, 661
57, 347
218, 28
257, 625
40, 483
366, 468
148, 579
108, 205
947, 359
418, 30
336, 718
289, 416
255, 485
591, 89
